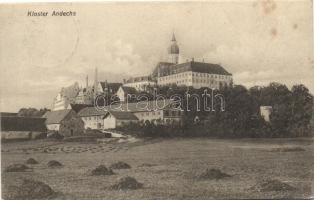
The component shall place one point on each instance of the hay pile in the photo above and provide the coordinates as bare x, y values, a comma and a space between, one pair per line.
16, 168
273, 185
29, 189
120, 165
213, 174
102, 170
127, 183
54, 163
31, 161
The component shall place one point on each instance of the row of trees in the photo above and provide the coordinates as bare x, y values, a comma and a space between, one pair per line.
32, 112
291, 115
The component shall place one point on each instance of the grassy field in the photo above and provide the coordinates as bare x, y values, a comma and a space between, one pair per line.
168, 168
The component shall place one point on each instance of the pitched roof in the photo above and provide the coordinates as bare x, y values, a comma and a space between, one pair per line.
161, 66
129, 90
78, 107
111, 86
91, 111
55, 117
194, 67
22, 123
123, 115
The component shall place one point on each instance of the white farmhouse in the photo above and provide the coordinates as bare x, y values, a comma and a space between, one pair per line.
114, 119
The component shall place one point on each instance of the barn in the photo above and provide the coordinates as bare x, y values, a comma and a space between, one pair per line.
14, 127
65, 122
114, 119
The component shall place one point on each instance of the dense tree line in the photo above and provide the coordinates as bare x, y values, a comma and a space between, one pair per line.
291, 115
32, 112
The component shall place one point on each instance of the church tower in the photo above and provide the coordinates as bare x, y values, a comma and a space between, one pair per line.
173, 51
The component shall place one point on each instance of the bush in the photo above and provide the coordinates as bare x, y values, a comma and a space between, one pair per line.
29, 189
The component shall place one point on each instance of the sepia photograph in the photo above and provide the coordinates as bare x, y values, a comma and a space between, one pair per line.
157, 100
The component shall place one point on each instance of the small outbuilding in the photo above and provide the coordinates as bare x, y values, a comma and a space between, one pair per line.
265, 112
65, 122
114, 119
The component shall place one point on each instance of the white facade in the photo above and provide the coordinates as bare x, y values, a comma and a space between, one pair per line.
165, 115
140, 85
110, 122
65, 97
53, 127
149, 115
121, 94
60, 103
266, 112
93, 122
196, 80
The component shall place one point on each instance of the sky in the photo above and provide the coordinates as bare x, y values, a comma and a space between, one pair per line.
257, 41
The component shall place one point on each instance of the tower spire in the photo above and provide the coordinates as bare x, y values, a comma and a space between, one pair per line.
173, 50
173, 38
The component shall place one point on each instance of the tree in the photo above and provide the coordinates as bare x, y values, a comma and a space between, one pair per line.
301, 110
32, 112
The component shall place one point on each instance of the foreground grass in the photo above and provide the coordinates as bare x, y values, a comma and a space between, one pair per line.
168, 169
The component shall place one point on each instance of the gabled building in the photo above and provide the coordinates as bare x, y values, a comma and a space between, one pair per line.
140, 83
193, 74
78, 107
64, 122
108, 88
164, 111
92, 117
85, 96
124, 92
114, 119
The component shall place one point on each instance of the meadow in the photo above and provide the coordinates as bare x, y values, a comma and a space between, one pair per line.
167, 168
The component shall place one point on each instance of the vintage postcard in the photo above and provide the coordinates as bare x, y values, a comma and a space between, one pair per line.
157, 100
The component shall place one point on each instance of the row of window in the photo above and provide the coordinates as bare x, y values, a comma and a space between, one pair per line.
186, 74
194, 80
93, 118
